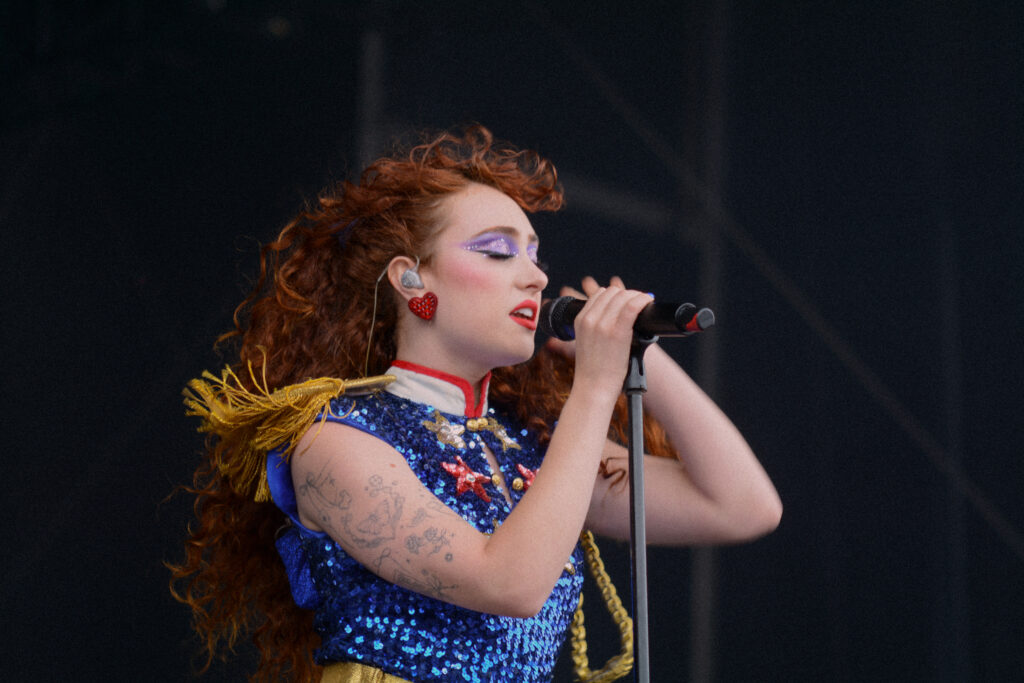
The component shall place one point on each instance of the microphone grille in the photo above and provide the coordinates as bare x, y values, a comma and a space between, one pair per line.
553, 319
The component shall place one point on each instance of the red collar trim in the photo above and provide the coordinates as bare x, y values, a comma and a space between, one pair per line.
472, 410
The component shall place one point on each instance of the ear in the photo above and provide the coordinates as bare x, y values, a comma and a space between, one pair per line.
398, 266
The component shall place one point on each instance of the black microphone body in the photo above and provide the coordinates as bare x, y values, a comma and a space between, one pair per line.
657, 319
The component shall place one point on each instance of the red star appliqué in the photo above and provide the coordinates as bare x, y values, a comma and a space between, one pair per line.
528, 475
466, 479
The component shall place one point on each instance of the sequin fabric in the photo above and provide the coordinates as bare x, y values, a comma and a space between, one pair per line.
361, 617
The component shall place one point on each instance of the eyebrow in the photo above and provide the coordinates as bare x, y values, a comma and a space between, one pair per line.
507, 230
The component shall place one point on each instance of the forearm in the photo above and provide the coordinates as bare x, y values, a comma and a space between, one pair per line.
531, 547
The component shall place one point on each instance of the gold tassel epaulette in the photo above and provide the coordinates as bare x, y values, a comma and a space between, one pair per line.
252, 422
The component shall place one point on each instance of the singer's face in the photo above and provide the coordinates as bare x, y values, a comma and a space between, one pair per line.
484, 271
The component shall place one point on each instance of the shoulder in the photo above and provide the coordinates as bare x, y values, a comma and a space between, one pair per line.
369, 412
378, 414
373, 428
328, 441
330, 459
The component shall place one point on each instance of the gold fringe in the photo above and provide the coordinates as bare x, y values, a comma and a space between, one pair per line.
250, 423
621, 664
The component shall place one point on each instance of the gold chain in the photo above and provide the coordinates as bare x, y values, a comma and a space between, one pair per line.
622, 663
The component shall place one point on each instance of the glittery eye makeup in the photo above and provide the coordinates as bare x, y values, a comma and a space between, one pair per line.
494, 245
501, 246
531, 251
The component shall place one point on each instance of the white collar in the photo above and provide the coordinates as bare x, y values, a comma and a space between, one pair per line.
448, 393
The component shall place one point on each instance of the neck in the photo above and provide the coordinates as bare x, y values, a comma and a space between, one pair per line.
426, 384
429, 351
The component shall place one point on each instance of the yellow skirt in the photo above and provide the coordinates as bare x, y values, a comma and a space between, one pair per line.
354, 672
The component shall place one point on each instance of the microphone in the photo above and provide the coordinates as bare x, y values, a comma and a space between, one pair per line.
657, 319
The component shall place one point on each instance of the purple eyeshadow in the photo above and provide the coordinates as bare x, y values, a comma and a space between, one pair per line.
492, 244
498, 244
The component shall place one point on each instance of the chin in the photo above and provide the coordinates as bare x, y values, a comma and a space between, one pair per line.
517, 356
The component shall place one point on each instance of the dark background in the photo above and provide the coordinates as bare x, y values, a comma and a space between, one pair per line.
840, 181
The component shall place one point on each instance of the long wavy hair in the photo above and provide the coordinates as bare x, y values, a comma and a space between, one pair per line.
309, 315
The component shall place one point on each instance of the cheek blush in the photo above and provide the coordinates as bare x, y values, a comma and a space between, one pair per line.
470, 274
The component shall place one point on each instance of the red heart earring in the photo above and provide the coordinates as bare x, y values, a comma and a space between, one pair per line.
424, 306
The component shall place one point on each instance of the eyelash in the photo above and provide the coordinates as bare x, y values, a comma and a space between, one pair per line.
504, 257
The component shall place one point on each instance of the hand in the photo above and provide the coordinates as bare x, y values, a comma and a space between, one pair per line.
590, 286
604, 332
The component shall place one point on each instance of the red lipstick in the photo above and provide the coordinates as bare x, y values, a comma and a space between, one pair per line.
526, 314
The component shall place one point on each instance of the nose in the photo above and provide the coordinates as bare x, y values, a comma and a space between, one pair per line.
533, 278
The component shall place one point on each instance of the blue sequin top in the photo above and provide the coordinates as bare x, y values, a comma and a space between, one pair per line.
362, 617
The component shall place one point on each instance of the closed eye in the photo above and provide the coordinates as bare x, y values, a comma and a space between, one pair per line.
493, 245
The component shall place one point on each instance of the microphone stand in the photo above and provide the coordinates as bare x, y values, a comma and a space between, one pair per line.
688, 320
635, 387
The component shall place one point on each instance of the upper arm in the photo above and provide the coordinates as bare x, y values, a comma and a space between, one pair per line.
363, 494
677, 512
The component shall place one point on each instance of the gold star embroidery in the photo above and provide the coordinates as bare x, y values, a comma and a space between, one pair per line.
446, 432
494, 427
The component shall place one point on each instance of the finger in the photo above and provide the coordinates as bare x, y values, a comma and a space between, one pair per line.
571, 291
596, 302
640, 301
626, 305
590, 285
607, 304
617, 281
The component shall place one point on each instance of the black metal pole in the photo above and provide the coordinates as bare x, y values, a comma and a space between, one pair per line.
635, 387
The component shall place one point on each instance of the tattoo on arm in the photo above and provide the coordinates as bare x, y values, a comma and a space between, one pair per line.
428, 583
381, 528
430, 541
334, 513
420, 515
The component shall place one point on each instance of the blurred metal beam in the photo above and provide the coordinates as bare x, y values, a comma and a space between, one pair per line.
713, 28
951, 634
936, 121
610, 202
370, 98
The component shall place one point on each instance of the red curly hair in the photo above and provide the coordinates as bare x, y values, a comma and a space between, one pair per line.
309, 315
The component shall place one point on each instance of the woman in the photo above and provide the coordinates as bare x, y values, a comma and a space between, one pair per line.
415, 522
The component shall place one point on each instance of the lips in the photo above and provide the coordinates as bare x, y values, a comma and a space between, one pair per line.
525, 314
